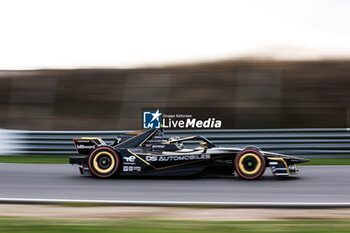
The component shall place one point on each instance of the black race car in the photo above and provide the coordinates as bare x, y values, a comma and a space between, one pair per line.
146, 153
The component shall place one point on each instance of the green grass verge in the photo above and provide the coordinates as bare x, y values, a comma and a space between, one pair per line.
328, 161
14, 225
34, 159
65, 159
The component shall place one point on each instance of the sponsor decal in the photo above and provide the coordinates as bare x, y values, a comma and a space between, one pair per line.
151, 120
156, 120
130, 159
151, 158
158, 146
118, 140
131, 169
82, 146
192, 123
223, 161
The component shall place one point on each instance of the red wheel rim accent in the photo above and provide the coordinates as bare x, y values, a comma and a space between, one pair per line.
116, 159
262, 164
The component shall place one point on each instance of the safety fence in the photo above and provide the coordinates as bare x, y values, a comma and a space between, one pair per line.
299, 142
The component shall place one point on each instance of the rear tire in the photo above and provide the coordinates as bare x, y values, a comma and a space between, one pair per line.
250, 164
104, 162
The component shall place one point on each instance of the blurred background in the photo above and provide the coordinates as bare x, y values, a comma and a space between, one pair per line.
93, 66
90, 65
253, 93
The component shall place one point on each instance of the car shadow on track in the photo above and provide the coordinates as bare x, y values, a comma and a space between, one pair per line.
182, 178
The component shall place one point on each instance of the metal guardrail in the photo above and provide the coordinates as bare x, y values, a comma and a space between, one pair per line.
299, 142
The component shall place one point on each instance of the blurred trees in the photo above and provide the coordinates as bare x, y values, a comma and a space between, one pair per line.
257, 94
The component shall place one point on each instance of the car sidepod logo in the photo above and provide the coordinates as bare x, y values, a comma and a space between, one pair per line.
151, 120
130, 159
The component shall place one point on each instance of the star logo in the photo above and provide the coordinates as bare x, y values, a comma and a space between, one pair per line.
151, 120
156, 115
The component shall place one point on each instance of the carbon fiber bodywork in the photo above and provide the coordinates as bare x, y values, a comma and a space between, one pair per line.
147, 153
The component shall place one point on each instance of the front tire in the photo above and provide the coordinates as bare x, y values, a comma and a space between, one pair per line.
250, 164
104, 162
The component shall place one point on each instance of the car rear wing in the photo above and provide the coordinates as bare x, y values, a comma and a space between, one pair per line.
85, 145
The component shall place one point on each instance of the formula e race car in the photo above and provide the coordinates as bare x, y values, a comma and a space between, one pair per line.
146, 153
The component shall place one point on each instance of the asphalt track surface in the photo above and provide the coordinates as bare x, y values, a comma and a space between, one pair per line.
62, 181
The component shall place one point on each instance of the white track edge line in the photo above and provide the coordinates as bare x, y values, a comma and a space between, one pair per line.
179, 203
